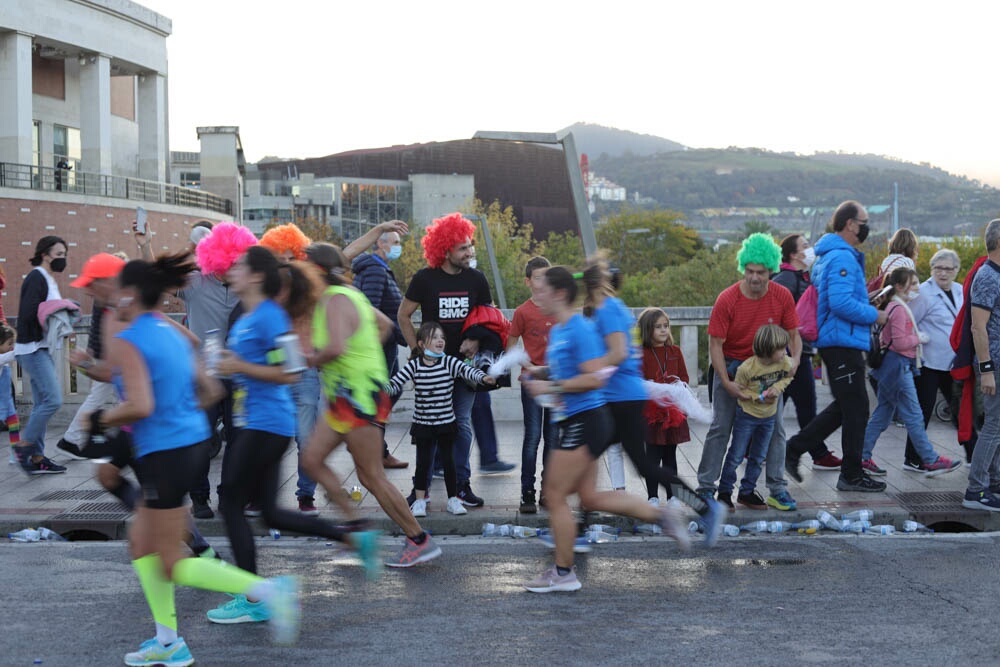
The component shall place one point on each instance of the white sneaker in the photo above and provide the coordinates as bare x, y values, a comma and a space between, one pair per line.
419, 507
455, 506
655, 502
673, 525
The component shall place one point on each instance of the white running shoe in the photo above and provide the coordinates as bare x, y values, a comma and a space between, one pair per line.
673, 525
419, 507
655, 502
455, 506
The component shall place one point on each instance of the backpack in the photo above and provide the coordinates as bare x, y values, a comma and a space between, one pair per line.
878, 282
805, 309
876, 351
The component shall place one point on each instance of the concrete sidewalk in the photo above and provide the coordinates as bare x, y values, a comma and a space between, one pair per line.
63, 501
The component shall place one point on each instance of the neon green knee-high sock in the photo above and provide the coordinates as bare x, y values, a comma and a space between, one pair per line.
159, 593
213, 575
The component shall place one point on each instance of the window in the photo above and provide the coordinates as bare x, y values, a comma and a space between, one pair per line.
65, 144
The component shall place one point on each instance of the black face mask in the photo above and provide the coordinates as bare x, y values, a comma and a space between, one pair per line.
862, 233
58, 264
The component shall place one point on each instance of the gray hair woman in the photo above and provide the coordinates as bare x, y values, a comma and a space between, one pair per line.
934, 312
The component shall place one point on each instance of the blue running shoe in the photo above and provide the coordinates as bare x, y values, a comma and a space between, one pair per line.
366, 544
783, 501
285, 611
239, 610
152, 652
712, 520
581, 546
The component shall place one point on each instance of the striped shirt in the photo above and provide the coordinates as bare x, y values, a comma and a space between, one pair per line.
433, 386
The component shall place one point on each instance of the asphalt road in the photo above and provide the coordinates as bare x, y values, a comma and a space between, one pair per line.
782, 600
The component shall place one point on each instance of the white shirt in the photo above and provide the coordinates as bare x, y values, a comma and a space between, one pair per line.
935, 315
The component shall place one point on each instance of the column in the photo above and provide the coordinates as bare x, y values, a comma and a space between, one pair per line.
95, 114
689, 348
15, 93
152, 119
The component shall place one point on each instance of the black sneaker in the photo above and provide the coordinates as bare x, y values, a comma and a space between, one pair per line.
792, 467
200, 508
753, 501
43, 467
726, 499
69, 449
528, 505
468, 498
863, 484
413, 496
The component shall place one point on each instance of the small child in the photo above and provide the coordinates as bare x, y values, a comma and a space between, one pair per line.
8, 409
762, 377
666, 428
530, 325
896, 391
434, 425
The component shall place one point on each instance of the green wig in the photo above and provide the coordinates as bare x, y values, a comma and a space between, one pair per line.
759, 248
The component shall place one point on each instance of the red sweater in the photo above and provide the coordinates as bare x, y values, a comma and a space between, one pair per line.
665, 365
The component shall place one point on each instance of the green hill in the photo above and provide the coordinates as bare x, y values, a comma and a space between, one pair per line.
597, 140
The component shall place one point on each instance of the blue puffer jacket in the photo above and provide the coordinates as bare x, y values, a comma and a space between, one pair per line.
843, 313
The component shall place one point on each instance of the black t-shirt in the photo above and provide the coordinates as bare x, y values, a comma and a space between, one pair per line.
446, 299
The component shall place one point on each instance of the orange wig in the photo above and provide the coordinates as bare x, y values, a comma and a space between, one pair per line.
286, 238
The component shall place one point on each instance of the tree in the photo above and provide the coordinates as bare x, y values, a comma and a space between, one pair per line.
564, 249
513, 246
755, 227
639, 241
696, 282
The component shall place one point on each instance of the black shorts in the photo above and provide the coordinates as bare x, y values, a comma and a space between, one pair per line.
168, 475
590, 428
116, 447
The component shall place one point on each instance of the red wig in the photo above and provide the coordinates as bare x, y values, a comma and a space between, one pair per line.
286, 238
218, 251
444, 234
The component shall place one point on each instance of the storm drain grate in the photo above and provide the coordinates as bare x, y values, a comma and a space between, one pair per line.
107, 519
73, 494
931, 501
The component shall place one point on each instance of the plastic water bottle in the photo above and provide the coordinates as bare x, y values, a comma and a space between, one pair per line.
26, 535
601, 534
523, 531
778, 526
355, 493
810, 524
882, 529
211, 350
505, 530
828, 521
755, 527
915, 527
694, 527
730, 530
858, 515
50, 535
275, 534
857, 526
648, 529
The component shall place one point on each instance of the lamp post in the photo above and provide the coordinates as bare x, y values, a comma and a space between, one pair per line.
481, 219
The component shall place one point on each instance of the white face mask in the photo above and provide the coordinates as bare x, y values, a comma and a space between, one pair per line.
472, 263
914, 294
809, 257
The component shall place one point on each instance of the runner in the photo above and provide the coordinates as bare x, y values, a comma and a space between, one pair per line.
156, 373
348, 335
575, 356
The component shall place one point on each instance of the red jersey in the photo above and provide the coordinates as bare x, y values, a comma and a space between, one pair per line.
532, 327
735, 318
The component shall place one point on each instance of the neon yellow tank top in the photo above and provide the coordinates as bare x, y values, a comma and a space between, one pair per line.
359, 374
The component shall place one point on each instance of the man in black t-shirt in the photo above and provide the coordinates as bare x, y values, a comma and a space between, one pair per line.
444, 292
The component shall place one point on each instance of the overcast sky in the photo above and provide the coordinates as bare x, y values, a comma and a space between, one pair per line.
301, 78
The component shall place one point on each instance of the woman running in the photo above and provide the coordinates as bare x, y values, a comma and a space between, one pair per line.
575, 355
348, 335
159, 380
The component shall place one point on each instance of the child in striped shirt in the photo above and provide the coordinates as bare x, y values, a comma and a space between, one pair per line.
434, 426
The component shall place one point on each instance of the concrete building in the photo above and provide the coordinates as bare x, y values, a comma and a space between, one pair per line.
83, 134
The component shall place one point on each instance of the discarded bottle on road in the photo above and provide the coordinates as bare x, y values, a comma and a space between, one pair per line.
915, 527
26, 535
523, 531
50, 535
882, 529
493, 530
828, 521
601, 534
812, 524
778, 526
730, 530
648, 529
275, 534
858, 515
355, 493
857, 526
755, 527
694, 527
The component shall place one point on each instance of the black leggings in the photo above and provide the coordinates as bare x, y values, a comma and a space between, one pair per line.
630, 427
426, 443
251, 473
660, 456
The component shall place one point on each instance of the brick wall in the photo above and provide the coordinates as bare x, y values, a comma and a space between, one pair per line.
88, 229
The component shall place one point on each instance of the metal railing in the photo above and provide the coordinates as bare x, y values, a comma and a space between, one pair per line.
52, 179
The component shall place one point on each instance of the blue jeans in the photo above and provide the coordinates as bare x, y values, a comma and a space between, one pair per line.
306, 395
46, 397
986, 456
537, 421
751, 437
713, 453
462, 398
485, 430
898, 394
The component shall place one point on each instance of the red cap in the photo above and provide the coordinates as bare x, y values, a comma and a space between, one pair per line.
101, 265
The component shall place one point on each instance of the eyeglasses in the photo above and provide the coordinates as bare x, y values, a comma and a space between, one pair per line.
944, 269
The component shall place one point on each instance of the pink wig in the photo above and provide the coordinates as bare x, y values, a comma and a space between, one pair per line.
286, 238
218, 251
444, 234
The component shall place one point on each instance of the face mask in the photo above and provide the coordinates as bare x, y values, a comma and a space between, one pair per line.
862, 233
58, 264
432, 354
473, 263
914, 294
394, 252
809, 258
